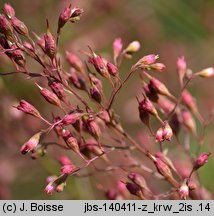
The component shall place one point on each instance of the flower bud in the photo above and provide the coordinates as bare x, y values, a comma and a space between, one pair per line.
66, 134
28, 46
76, 14
73, 144
134, 189
98, 64
6, 28
159, 87
181, 64
50, 45
9, 11
92, 146
133, 47
74, 61
158, 66
137, 179
117, 47
60, 187
188, 121
26, 107
77, 79
148, 59
167, 131
58, 89
206, 73
201, 160
19, 26
18, 57
165, 105
64, 160
67, 169
71, 118
188, 100
184, 191
50, 179
31, 144
93, 128
95, 94
49, 189
112, 69
49, 96
147, 106
64, 17
159, 135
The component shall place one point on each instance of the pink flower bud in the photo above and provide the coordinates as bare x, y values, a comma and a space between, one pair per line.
146, 106
112, 69
66, 134
50, 45
159, 87
77, 79
165, 105
149, 59
98, 64
133, 47
95, 94
18, 56
73, 144
9, 11
19, 26
117, 47
49, 189
96, 82
167, 131
76, 14
28, 46
71, 118
58, 89
50, 179
74, 61
64, 160
189, 100
49, 96
181, 64
137, 179
5, 27
158, 66
184, 191
64, 17
93, 128
188, 121
92, 146
206, 73
201, 160
67, 169
159, 135
31, 144
26, 107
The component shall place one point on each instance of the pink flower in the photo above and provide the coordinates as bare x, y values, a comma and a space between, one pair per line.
112, 69
49, 189
181, 64
117, 47
67, 169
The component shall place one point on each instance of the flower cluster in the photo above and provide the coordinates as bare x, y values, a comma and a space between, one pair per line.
92, 129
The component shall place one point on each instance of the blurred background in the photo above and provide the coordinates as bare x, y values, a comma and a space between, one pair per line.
170, 28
